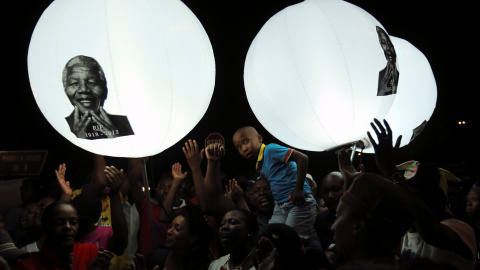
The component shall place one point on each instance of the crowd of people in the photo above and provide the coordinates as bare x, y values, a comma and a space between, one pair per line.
278, 218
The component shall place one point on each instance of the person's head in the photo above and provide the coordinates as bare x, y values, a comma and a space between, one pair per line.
237, 229
26, 219
85, 83
189, 230
372, 217
28, 189
260, 195
331, 190
387, 45
60, 225
164, 185
248, 142
473, 205
286, 241
426, 184
189, 191
40, 208
89, 208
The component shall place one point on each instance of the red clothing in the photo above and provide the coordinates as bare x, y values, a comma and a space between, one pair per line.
47, 259
100, 237
145, 235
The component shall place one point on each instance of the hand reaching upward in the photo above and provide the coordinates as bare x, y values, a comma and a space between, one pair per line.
64, 185
215, 151
193, 154
385, 152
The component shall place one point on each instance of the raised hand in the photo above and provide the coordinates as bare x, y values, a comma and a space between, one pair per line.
234, 191
193, 154
267, 255
64, 185
177, 172
215, 151
115, 178
385, 152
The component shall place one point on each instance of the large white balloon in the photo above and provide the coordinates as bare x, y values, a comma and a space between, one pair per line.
312, 74
157, 60
416, 97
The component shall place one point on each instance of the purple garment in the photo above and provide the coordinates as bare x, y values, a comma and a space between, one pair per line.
101, 237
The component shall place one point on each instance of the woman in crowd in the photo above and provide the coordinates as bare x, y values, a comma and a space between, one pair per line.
60, 225
237, 230
186, 242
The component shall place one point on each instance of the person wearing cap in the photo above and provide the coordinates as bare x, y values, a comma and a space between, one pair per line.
434, 235
259, 197
9, 251
372, 216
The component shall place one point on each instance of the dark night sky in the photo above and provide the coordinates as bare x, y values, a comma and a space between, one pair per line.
442, 32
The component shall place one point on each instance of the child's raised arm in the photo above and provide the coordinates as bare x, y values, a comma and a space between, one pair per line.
216, 201
298, 196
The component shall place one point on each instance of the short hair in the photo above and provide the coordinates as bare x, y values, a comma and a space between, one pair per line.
87, 61
165, 175
88, 205
47, 215
247, 128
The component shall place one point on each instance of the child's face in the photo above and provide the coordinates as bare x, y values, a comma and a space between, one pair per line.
248, 143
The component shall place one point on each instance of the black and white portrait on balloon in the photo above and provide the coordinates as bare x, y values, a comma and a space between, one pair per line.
85, 85
388, 77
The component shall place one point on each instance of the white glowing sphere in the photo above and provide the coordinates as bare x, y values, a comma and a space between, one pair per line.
416, 96
157, 59
312, 73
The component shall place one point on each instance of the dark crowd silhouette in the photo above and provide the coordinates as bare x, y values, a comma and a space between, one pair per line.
399, 215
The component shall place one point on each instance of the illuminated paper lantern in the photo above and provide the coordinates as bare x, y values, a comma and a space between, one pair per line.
313, 74
416, 96
141, 72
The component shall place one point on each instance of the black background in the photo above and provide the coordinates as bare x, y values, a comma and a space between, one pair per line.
444, 33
